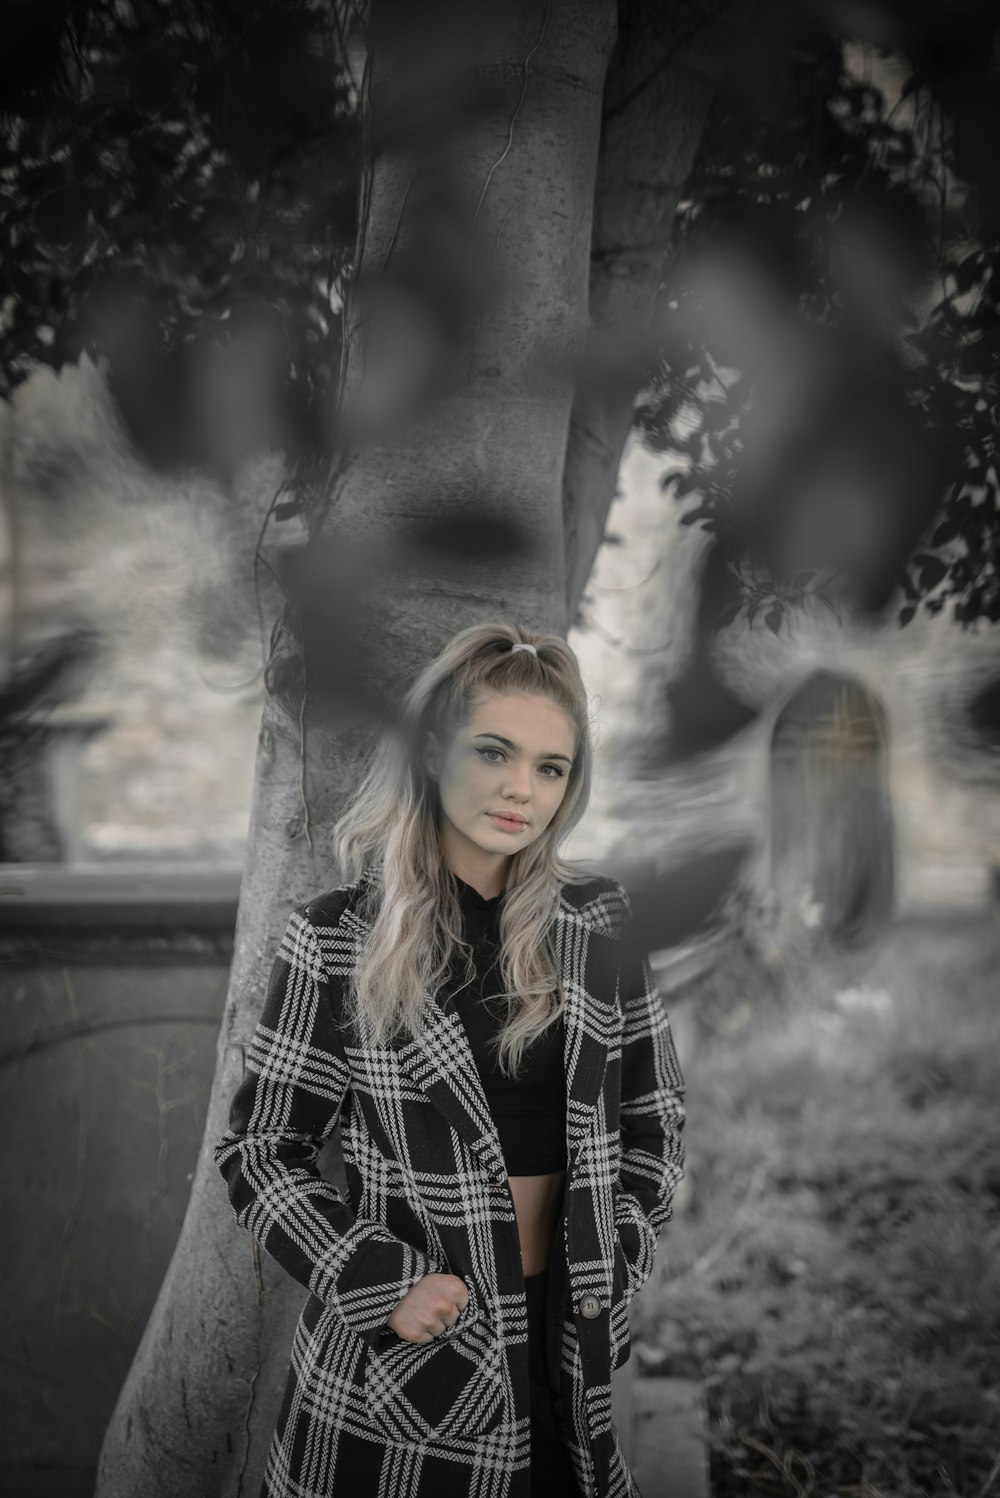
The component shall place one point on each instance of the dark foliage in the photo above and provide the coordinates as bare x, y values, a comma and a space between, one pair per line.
178, 196
830, 367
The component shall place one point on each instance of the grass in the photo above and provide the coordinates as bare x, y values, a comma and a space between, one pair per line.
832, 1271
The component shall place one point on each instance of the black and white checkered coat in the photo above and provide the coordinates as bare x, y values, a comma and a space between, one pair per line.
367, 1414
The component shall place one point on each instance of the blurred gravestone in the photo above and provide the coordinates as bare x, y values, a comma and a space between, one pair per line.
831, 813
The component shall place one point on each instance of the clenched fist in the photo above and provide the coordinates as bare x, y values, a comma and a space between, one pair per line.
429, 1306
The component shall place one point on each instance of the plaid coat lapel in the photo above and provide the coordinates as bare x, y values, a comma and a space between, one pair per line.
446, 1071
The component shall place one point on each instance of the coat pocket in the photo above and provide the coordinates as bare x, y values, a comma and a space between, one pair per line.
619, 1321
431, 1390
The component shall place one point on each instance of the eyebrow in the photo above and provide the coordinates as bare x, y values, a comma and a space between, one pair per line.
516, 747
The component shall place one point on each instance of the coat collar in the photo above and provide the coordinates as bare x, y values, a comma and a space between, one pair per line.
444, 1067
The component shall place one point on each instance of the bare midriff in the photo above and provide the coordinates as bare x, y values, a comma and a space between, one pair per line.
537, 1201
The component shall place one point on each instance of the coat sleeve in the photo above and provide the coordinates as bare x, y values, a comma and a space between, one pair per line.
652, 1113
287, 1104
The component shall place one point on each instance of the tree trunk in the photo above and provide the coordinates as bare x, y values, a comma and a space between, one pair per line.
660, 84
196, 1413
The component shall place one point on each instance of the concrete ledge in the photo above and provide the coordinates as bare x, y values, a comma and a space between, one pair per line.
119, 895
670, 1449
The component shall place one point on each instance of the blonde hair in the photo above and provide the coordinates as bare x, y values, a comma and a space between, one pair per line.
391, 829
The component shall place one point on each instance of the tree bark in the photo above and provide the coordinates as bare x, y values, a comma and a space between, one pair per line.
196, 1413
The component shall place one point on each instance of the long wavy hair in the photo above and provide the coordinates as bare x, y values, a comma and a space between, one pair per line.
390, 835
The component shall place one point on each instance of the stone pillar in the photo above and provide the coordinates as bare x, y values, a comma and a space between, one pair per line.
831, 830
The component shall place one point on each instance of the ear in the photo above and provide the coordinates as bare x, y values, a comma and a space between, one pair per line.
432, 754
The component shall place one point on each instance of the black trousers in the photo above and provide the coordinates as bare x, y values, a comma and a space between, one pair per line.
551, 1469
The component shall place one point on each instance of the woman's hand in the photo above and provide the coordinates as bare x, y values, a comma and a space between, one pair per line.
428, 1307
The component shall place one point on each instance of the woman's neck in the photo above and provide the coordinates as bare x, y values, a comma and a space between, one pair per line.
472, 898
487, 888
487, 876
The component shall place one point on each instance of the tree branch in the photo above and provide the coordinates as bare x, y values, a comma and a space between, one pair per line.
650, 135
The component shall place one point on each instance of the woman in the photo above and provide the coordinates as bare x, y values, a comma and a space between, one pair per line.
510, 1107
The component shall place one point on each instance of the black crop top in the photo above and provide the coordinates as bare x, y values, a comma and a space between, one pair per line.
529, 1111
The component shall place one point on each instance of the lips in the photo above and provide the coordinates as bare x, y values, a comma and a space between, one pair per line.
512, 823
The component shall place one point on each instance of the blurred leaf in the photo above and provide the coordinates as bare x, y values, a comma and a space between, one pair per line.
932, 569
62, 215
704, 713
484, 536
686, 900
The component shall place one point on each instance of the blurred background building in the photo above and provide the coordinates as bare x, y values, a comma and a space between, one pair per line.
143, 747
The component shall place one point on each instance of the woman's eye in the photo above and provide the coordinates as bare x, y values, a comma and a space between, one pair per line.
556, 775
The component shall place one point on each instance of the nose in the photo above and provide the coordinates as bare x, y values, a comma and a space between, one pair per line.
518, 786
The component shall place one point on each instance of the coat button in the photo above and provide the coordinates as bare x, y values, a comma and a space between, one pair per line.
590, 1306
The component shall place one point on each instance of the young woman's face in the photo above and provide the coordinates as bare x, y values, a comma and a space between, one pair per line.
502, 778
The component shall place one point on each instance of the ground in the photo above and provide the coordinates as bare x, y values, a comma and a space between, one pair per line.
833, 1270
